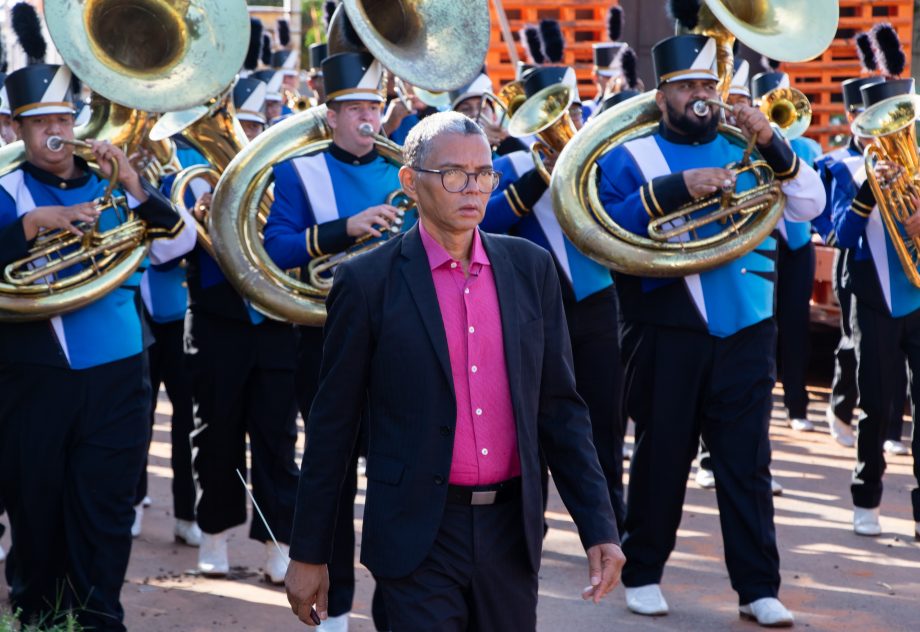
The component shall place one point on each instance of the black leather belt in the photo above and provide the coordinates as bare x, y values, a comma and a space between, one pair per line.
484, 494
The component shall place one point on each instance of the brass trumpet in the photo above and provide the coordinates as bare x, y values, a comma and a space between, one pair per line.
788, 109
546, 115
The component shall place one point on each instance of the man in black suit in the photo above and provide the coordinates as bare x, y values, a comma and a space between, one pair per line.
453, 516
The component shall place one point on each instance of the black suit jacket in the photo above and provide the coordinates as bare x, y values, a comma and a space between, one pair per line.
385, 348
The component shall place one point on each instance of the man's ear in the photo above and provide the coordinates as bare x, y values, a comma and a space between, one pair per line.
331, 117
408, 179
660, 99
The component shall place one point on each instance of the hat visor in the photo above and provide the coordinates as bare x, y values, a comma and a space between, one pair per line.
251, 117
48, 109
688, 75
356, 96
744, 92
463, 97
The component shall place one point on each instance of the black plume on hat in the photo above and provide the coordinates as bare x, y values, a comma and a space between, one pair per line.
28, 31
891, 56
284, 32
685, 12
533, 45
866, 53
615, 23
328, 10
628, 65
255, 44
769, 65
266, 55
553, 42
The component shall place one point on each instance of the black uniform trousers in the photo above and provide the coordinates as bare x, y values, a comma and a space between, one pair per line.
881, 343
342, 563
479, 557
681, 383
795, 275
72, 447
166, 359
243, 383
844, 392
593, 329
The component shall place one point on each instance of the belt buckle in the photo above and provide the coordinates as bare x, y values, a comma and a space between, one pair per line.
483, 498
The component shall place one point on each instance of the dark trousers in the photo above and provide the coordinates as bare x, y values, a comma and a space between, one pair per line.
477, 576
795, 275
241, 387
593, 330
681, 384
881, 342
166, 359
71, 450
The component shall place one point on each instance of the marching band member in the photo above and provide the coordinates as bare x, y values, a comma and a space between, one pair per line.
69, 462
886, 324
522, 206
274, 100
318, 52
468, 101
323, 204
242, 366
700, 349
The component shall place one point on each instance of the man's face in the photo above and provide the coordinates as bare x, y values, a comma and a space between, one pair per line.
675, 99
252, 129
272, 110
442, 210
318, 87
577, 115
347, 117
35, 132
734, 99
7, 133
469, 108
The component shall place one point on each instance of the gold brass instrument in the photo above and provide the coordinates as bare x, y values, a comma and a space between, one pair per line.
320, 269
787, 30
788, 109
545, 115
177, 193
99, 261
507, 101
889, 125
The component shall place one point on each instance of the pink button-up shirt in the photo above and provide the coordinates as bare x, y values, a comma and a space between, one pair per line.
485, 440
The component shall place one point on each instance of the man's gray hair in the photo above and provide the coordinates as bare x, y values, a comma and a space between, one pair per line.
418, 142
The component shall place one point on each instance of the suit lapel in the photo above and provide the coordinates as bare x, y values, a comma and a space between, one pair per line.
417, 272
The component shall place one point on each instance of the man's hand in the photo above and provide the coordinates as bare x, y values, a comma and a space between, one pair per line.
706, 181
912, 223
605, 563
306, 585
202, 207
753, 122
62, 217
394, 115
494, 132
105, 152
367, 221
887, 172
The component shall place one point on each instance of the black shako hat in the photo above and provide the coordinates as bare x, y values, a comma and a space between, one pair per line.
763, 82
249, 99
352, 77
875, 92
40, 89
318, 52
684, 57
852, 96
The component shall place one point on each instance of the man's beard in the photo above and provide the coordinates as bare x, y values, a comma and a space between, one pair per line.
689, 124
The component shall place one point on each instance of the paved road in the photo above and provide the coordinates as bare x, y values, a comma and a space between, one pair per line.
832, 579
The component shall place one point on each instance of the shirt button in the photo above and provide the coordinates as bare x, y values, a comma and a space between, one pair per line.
453, 264
472, 330
485, 452
474, 368
479, 411
466, 290
438, 479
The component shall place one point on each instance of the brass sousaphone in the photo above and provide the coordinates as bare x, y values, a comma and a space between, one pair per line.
437, 45
141, 56
786, 30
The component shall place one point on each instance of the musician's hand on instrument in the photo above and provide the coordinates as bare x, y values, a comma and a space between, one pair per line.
708, 180
306, 585
395, 113
202, 206
494, 132
59, 217
887, 171
912, 223
753, 122
371, 221
605, 564
140, 159
105, 153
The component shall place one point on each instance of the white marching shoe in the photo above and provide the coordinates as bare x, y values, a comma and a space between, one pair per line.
705, 478
865, 521
768, 612
212, 555
646, 600
841, 432
801, 425
895, 448
775, 488
187, 532
276, 562
138, 520
334, 624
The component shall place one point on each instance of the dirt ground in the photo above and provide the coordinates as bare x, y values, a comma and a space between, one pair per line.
832, 579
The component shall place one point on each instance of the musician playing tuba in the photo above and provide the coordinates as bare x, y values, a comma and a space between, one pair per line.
699, 349
74, 415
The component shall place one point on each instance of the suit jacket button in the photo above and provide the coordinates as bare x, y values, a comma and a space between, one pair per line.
445, 430
438, 479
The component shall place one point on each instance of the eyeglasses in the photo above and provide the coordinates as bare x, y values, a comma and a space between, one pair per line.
456, 180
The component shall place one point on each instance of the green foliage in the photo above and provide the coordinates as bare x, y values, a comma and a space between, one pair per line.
58, 622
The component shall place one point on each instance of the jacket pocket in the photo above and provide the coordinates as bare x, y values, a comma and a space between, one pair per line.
384, 469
